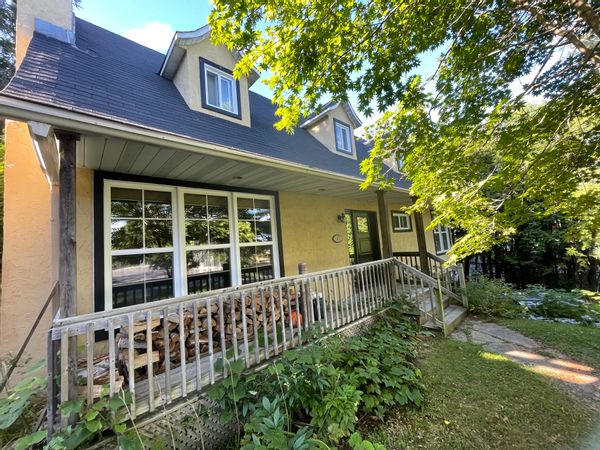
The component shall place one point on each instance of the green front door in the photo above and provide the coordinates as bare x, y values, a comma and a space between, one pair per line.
363, 240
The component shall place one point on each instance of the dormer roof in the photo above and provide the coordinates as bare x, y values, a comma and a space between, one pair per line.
177, 50
330, 106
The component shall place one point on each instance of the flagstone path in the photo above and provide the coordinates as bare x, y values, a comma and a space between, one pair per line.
578, 379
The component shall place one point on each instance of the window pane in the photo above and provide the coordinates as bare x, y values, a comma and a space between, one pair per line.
212, 93
127, 280
196, 232
226, 94
436, 241
245, 208
262, 209
159, 233
217, 207
263, 231
157, 204
126, 202
246, 231
338, 136
362, 224
126, 234
219, 231
195, 206
198, 266
158, 273
220, 274
247, 257
346, 134
395, 222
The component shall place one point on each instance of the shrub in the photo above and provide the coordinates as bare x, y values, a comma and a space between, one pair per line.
323, 388
578, 305
493, 298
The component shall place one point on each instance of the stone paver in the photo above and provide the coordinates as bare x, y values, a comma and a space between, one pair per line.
578, 379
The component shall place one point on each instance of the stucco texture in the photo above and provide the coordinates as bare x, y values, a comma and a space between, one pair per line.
308, 223
187, 78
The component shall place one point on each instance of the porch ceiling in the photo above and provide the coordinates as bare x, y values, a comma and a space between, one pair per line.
136, 158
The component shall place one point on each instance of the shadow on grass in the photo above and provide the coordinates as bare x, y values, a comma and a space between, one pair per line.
479, 400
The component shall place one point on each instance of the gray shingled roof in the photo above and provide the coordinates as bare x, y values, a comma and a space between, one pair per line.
108, 76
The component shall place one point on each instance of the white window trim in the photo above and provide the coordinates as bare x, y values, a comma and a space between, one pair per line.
400, 228
273, 242
220, 74
439, 230
179, 248
345, 128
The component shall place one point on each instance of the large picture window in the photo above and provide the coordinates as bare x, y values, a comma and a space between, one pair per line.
141, 245
165, 241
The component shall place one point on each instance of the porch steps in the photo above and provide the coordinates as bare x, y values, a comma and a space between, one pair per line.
422, 310
453, 316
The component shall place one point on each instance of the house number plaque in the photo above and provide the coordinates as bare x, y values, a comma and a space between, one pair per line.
337, 238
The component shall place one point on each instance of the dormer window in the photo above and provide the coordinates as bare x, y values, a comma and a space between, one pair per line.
220, 91
343, 137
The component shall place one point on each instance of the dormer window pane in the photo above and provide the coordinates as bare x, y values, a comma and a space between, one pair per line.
343, 140
221, 90
212, 89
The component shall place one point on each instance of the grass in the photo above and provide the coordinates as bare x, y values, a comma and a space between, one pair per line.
478, 400
579, 342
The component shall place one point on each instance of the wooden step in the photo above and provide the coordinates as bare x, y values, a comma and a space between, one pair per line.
453, 316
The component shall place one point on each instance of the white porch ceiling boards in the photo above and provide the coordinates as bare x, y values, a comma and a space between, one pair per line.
131, 157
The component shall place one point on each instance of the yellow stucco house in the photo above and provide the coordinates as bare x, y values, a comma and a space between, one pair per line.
134, 177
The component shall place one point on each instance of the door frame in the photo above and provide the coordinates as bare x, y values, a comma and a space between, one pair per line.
374, 232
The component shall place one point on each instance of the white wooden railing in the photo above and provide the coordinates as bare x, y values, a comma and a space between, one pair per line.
166, 350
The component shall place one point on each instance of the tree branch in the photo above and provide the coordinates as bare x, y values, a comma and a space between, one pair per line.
587, 14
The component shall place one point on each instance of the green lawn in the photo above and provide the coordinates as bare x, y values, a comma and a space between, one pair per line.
575, 341
476, 400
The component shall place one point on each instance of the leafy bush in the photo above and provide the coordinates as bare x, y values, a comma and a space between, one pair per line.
579, 305
20, 409
324, 387
493, 298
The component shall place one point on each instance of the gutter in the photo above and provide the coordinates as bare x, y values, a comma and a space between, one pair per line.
21, 110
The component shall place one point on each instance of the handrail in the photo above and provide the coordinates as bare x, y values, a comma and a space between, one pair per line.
164, 350
16, 359
430, 280
83, 318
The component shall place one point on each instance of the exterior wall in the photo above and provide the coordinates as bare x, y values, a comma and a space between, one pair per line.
308, 223
29, 267
187, 78
324, 130
85, 240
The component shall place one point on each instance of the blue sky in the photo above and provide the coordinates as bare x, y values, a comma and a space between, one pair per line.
153, 22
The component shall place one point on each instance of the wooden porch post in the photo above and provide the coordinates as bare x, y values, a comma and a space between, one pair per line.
385, 224
421, 242
68, 246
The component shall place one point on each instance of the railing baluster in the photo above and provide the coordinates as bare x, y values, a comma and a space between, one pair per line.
150, 361
64, 365
244, 327
89, 348
330, 296
255, 326
221, 316
131, 362
273, 321
182, 349
195, 324
318, 301
323, 297
282, 318
211, 351
290, 313
167, 350
299, 317
305, 288
265, 321
112, 358
234, 338
347, 299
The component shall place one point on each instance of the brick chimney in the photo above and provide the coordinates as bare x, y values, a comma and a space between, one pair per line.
54, 16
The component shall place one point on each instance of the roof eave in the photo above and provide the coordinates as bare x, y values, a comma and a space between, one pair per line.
22, 110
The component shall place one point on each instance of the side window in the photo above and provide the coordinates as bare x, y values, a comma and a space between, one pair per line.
442, 239
343, 137
219, 89
401, 222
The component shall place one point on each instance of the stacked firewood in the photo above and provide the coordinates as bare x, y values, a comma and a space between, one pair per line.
257, 306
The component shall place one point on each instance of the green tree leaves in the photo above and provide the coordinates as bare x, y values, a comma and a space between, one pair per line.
475, 151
